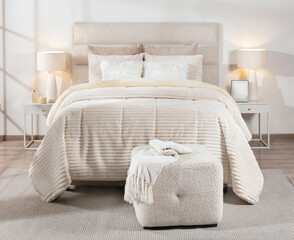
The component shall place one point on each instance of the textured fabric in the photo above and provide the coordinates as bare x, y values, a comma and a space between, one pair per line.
209, 37
170, 50
162, 70
95, 74
217, 94
146, 165
116, 49
88, 212
121, 70
194, 62
187, 192
101, 125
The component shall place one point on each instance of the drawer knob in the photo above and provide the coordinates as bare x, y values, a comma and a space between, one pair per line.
249, 109
43, 110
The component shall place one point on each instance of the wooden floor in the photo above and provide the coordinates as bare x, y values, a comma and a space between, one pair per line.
280, 156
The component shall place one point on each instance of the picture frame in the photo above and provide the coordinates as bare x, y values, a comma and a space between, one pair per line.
239, 90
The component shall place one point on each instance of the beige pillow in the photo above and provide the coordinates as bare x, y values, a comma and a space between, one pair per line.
116, 49
170, 50
194, 62
95, 74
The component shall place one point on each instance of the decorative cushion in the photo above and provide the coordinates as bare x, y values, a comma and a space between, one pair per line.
165, 71
170, 50
187, 192
95, 74
194, 62
121, 70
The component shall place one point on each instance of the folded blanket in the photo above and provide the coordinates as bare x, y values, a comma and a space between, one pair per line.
169, 148
146, 166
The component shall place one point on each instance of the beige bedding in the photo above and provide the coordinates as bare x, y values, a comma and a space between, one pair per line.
94, 127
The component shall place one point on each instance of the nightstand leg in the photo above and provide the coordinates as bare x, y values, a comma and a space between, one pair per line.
27, 146
266, 144
268, 130
24, 131
32, 127
259, 127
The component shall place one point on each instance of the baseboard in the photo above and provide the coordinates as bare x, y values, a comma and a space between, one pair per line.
39, 137
19, 137
282, 136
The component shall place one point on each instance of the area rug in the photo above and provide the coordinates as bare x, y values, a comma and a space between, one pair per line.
101, 213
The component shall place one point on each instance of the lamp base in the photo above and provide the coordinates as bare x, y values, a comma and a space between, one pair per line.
51, 91
253, 89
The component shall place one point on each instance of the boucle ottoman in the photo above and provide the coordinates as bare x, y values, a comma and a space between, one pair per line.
188, 192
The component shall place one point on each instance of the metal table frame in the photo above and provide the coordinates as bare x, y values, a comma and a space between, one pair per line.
27, 146
266, 145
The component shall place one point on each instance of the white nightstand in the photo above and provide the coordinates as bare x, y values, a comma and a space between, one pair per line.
258, 107
34, 109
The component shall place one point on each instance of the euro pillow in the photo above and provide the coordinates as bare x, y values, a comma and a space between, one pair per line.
194, 63
170, 50
95, 74
121, 70
116, 49
165, 71
80, 52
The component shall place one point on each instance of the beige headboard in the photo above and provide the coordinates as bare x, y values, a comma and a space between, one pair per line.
207, 35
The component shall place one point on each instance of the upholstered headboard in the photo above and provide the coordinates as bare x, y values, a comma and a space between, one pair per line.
207, 35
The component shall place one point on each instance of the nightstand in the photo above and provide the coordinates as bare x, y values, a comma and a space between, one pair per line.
258, 107
33, 109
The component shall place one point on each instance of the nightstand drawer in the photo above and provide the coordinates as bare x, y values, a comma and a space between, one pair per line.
37, 109
250, 108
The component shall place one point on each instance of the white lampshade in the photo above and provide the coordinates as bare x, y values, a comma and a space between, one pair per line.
252, 58
51, 61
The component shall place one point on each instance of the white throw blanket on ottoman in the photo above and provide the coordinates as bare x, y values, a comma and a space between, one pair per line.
146, 165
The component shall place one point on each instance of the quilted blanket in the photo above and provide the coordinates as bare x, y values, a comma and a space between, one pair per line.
94, 127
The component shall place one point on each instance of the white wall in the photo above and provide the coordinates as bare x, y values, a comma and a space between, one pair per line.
32, 25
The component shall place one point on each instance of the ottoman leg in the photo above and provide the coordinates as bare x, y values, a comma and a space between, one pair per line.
225, 189
181, 227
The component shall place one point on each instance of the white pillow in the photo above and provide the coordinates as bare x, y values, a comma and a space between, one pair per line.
121, 70
194, 62
94, 61
165, 71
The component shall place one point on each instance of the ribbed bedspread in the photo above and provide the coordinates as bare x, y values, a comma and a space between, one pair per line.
94, 128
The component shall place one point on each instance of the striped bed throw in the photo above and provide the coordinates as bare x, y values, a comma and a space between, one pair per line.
94, 127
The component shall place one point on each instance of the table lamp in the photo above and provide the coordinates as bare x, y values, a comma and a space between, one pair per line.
252, 59
50, 62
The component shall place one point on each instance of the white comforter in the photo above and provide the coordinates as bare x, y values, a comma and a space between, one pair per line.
94, 127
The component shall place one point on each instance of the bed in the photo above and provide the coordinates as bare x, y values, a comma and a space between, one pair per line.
93, 127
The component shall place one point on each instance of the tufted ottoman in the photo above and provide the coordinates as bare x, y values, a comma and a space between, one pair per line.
188, 192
